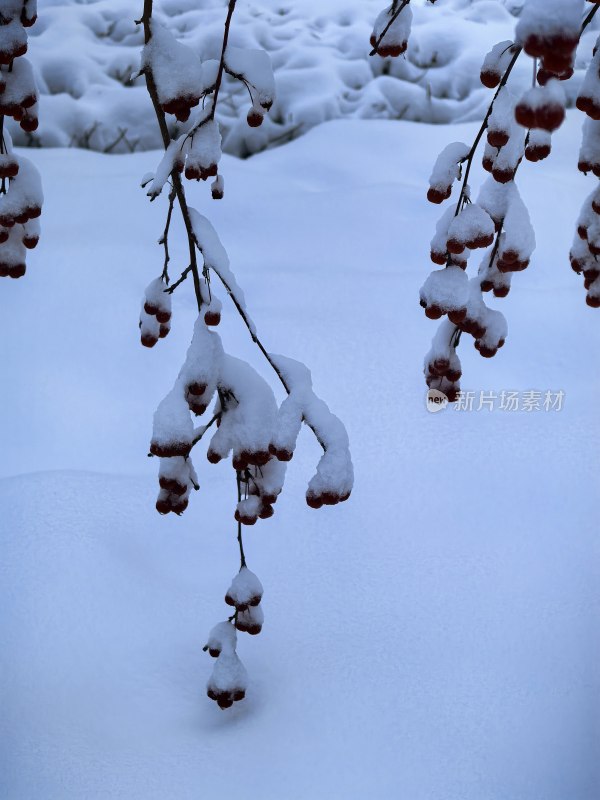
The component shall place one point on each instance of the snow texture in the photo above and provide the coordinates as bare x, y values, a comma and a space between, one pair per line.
320, 57
480, 527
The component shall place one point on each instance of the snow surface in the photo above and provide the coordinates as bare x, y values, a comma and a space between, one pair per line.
434, 638
84, 54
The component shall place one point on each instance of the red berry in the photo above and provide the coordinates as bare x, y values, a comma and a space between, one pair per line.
254, 118
212, 318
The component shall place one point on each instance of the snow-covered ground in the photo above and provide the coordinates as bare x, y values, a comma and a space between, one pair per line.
435, 638
84, 54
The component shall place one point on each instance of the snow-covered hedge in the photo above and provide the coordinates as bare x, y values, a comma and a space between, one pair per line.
85, 53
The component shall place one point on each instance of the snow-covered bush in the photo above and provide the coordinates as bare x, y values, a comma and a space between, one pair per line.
517, 124
247, 422
322, 68
21, 196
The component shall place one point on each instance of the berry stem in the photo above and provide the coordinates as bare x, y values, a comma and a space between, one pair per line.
230, 10
164, 240
239, 525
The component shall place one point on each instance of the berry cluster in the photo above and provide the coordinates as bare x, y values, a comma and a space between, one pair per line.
586, 245
515, 127
549, 30
392, 30
21, 195
155, 316
228, 681
18, 92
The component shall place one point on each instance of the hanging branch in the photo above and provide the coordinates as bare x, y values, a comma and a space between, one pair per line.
251, 426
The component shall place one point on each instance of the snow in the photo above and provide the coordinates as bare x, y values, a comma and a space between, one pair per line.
319, 53
447, 168
434, 637
246, 589
547, 20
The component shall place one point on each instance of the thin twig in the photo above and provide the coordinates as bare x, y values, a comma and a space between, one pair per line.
179, 281
175, 176
230, 10
589, 18
393, 18
164, 239
239, 525
480, 132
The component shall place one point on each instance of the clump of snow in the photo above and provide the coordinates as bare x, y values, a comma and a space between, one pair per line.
496, 62
176, 69
444, 290
472, 228
249, 415
446, 170
334, 478
392, 29
250, 620
245, 590
173, 431
542, 106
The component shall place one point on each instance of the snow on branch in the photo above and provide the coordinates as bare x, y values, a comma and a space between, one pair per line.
334, 478
245, 411
21, 196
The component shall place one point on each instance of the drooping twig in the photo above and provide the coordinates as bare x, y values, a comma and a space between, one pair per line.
164, 239
175, 176
181, 198
469, 159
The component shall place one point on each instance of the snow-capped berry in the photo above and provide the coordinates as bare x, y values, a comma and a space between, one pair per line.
444, 291
539, 145
500, 123
588, 99
445, 171
549, 29
251, 620
542, 107
212, 315
228, 681
218, 188
439, 250
495, 63
255, 118
247, 510
221, 639
9, 165
246, 590
507, 159
397, 28
589, 153
496, 331
203, 152
177, 72
472, 228
13, 41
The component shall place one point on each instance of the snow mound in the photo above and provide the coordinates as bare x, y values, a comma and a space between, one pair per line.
321, 59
